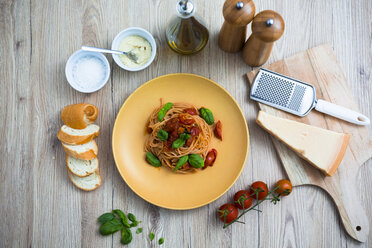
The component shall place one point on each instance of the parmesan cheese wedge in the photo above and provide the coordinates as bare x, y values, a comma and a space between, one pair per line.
322, 148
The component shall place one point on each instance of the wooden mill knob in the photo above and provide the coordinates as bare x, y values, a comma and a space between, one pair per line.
267, 27
238, 14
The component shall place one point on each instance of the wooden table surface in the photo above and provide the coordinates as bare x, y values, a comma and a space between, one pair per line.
39, 206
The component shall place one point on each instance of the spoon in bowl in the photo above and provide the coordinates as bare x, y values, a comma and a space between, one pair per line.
131, 55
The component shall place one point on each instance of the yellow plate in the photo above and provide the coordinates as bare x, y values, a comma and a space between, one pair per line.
160, 186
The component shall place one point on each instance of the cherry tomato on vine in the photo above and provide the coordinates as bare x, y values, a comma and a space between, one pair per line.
228, 213
242, 200
259, 187
284, 187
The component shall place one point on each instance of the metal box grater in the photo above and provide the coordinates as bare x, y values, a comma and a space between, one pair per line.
283, 92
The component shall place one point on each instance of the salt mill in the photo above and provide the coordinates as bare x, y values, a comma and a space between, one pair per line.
267, 27
238, 14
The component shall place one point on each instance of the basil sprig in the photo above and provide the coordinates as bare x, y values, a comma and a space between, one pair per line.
196, 161
181, 162
162, 135
207, 115
164, 110
152, 159
117, 220
181, 140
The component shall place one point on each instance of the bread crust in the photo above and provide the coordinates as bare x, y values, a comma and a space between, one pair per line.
75, 139
88, 155
97, 185
79, 115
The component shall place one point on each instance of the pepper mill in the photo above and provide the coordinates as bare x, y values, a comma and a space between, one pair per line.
238, 14
267, 27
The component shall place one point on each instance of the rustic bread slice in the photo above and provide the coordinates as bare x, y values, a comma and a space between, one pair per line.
322, 148
88, 183
79, 115
81, 167
73, 136
85, 151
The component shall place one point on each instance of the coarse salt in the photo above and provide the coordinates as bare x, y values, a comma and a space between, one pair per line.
89, 72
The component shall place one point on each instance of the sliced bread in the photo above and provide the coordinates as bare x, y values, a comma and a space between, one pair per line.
73, 136
86, 151
88, 183
79, 115
81, 167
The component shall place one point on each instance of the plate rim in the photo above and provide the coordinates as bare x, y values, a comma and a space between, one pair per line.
164, 205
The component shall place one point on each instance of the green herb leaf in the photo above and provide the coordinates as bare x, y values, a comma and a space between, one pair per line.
207, 115
162, 135
122, 217
111, 227
139, 230
105, 217
181, 140
135, 223
196, 161
154, 161
152, 236
131, 217
161, 241
164, 110
126, 236
181, 162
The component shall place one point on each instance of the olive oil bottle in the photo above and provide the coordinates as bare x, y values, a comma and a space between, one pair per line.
185, 33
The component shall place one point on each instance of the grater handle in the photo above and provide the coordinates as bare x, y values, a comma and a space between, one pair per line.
341, 113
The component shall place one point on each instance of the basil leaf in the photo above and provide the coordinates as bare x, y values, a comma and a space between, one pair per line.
122, 217
161, 241
154, 161
126, 236
131, 217
111, 227
139, 230
207, 115
162, 135
164, 110
181, 140
181, 162
152, 236
196, 161
105, 217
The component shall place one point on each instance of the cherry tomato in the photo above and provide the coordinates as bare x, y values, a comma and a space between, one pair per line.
218, 130
228, 213
259, 186
194, 131
211, 158
242, 200
191, 111
184, 119
283, 187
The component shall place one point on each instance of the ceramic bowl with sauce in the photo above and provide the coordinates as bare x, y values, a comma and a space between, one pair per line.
129, 38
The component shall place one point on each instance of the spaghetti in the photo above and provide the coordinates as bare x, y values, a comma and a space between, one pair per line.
181, 120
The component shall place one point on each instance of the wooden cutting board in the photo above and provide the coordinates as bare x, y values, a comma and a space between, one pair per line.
319, 67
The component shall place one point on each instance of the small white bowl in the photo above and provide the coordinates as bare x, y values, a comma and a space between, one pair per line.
133, 31
70, 71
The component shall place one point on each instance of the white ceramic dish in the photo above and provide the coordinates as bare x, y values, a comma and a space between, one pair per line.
72, 79
133, 31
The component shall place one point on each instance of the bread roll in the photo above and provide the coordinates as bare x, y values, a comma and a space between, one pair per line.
79, 115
